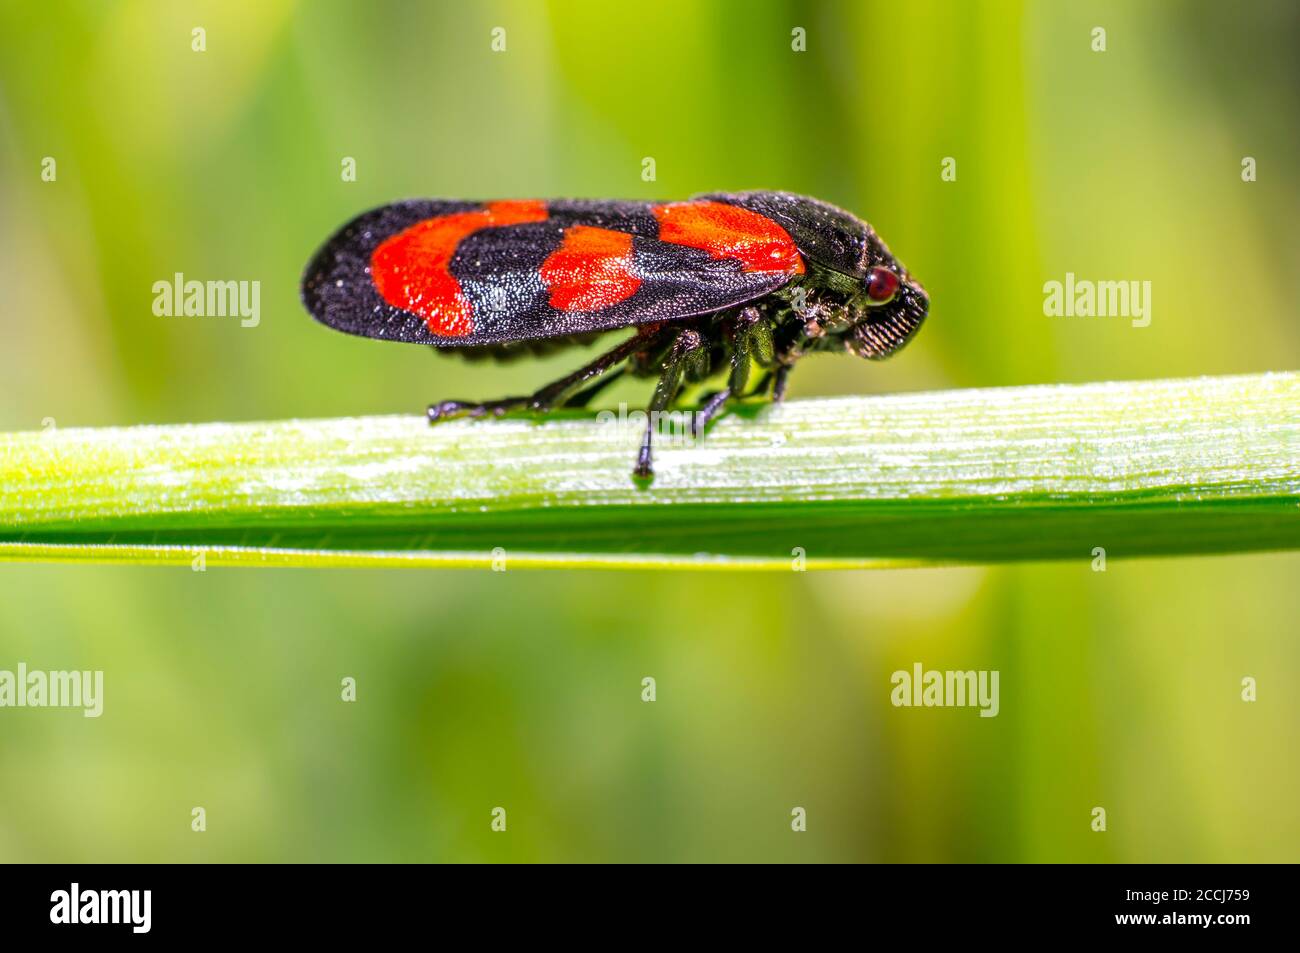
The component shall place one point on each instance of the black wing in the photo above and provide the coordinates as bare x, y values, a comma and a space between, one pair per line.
457, 274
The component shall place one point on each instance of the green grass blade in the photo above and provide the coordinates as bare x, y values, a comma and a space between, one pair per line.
1138, 468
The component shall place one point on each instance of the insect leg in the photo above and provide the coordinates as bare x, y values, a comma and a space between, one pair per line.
784, 360
782, 379
584, 397
685, 353
700, 419
562, 392
551, 395
740, 329
750, 333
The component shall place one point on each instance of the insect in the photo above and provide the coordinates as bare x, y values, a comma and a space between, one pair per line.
741, 284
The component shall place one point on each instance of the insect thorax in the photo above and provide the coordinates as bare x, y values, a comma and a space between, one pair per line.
820, 308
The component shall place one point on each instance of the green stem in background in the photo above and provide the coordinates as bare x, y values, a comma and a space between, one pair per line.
1142, 468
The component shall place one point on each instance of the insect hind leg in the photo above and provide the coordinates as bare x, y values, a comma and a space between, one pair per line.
585, 396
567, 391
451, 409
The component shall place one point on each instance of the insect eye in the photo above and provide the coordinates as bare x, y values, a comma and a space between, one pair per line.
882, 285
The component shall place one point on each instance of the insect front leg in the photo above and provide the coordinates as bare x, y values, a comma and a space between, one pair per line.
685, 356
787, 354
782, 379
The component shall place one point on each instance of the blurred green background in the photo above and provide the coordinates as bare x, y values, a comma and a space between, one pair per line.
478, 689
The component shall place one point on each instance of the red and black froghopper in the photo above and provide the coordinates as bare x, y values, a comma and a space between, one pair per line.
718, 283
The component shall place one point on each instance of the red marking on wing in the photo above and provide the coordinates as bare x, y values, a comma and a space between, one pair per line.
411, 270
729, 231
591, 270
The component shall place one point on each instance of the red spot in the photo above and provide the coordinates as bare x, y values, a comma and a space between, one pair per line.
411, 270
591, 270
729, 231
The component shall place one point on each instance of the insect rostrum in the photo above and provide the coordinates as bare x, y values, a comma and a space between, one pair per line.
741, 284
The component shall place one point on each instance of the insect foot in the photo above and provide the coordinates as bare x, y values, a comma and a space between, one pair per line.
452, 409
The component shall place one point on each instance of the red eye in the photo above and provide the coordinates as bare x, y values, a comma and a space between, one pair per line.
882, 285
